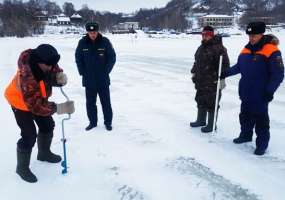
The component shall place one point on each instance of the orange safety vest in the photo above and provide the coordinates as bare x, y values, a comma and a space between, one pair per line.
14, 94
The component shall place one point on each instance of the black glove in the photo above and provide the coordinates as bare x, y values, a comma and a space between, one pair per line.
268, 97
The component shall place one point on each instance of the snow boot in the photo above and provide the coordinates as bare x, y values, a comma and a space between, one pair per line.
259, 152
209, 127
90, 126
240, 140
23, 163
108, 127
44, 152
201, 118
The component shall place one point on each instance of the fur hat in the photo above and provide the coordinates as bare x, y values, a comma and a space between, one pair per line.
47, 54
92, 26
254, 28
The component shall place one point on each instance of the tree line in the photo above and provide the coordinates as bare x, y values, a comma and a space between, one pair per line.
18, 18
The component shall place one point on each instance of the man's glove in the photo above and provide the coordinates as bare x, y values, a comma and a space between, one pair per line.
268, 97
65, 108
61, 78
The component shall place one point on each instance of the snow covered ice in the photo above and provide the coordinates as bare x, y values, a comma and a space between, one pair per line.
152, 153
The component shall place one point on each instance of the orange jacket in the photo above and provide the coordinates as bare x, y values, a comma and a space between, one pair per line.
14, 95
28, 93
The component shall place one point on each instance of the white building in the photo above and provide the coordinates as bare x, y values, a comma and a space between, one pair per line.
59, 20
216, 20
76, 19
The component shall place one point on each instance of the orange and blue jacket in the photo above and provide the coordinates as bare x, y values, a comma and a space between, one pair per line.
26, 93
262, 71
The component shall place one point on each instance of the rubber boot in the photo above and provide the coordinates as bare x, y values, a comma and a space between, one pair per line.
209, 127
201, 118
23, 163
44, 152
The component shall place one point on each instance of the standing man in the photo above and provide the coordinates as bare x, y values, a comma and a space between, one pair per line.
205, 77
95, 58
28, 95
262, 71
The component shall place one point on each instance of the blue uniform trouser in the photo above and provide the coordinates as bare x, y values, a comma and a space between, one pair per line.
259, 119
91, 98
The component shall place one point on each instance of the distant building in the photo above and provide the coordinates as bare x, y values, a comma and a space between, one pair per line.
76, 19
125, 27
59, 20
216, 21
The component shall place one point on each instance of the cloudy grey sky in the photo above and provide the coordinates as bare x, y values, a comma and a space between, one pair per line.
124, 6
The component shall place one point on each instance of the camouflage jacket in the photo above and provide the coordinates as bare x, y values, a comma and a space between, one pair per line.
29, 84
206, 65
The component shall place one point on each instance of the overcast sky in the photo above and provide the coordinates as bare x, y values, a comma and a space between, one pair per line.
124, 6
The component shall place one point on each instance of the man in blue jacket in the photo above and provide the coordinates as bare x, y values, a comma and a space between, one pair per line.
95, 58
262, 71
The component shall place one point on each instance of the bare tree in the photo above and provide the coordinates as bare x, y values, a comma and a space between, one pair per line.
52, 8
68, 9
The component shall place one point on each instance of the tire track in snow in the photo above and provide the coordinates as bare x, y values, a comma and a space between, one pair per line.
223, 188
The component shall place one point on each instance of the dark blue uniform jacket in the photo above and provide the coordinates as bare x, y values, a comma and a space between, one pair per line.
95, 61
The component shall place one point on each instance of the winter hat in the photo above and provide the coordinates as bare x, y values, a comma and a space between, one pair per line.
208, 31
255, 28
92, 26
47, 54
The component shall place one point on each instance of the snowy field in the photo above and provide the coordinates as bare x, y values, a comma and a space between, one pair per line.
152, 153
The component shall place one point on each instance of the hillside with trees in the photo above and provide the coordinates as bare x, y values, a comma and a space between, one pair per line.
18, 18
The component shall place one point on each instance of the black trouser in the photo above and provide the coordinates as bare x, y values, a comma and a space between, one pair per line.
25, 121
206, 99
91, 98
260, 120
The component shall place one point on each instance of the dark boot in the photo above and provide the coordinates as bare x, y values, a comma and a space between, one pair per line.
23, 169
241, 139
90, 126
209, 127
44, 153
201, 118
108, 127
259, 152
